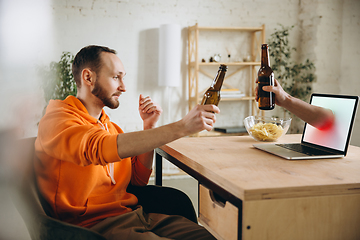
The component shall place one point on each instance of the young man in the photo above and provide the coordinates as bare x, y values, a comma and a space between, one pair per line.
85, 162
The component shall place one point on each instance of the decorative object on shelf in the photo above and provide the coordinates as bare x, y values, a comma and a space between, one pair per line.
295, 78
247, 58
217, 58
228, 55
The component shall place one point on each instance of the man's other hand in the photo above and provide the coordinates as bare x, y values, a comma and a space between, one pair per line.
149, 111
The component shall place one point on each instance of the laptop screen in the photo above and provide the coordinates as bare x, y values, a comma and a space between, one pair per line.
337, 136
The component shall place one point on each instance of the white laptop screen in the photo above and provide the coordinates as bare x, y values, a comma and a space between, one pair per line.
337, 136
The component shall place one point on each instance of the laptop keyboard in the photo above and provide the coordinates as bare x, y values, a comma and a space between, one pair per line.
304, 149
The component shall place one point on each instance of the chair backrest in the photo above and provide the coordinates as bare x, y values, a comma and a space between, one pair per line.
26, 197
31, 204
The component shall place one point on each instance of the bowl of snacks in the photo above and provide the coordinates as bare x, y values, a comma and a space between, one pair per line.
266, 129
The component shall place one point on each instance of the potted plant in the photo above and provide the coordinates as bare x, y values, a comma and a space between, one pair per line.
295, 78
57, 79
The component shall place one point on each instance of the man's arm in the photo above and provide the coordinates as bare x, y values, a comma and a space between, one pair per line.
149, 113
142, 143
316, 116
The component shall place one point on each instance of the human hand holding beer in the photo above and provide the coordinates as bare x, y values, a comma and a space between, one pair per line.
280, 94
201, 117
318, 117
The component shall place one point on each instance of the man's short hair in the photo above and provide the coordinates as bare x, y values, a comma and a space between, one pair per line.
88, 57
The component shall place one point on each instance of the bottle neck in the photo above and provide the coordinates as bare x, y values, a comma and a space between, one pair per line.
218, 81
265, 60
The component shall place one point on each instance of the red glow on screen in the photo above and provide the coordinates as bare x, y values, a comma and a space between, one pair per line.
327, 124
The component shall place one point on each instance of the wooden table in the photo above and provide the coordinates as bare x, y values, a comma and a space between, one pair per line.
256, 195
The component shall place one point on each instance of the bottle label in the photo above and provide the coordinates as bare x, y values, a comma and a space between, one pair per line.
265, 81
211, 97
266, 99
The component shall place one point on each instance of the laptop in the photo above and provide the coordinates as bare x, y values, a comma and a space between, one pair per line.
318, 144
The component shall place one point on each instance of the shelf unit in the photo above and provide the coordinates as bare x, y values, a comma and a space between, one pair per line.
196, 66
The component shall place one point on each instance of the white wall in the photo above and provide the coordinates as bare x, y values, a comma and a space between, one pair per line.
25, 42
132, 29
337, 52
326, 32
350, 56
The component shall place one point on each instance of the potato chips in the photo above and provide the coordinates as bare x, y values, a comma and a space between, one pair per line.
267, 132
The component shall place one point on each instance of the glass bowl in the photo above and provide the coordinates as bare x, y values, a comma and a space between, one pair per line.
266, 129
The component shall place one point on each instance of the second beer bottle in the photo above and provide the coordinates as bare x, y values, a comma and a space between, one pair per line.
265, 78
212, 95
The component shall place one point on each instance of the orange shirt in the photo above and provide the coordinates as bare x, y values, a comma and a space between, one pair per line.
74, 154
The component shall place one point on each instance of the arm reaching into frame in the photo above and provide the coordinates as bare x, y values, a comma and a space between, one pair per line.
318, 117
201, 117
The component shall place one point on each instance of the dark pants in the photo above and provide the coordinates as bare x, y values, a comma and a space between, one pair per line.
138, 225
164, 200
163, 213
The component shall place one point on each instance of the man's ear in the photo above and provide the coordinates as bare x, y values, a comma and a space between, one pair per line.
88, 77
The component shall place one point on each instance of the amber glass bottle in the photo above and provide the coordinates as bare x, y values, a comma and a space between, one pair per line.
265, 78
212, 95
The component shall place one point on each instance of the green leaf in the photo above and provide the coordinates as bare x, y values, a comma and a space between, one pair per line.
295, 77
57, 79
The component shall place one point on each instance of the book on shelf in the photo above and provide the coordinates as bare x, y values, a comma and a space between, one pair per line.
231, 93
233, 129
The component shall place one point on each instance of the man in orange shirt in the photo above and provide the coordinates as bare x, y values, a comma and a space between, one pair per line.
85, 163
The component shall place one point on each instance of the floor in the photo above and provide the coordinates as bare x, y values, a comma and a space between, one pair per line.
12, 226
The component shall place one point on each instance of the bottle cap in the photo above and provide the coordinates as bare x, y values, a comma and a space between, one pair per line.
223, 67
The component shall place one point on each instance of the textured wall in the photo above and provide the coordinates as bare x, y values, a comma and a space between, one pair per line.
132, 29
325, 31
349, 82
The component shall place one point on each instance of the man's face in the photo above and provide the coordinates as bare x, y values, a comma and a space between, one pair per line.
109, 82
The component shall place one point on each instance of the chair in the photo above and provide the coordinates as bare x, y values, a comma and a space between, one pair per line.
32, 207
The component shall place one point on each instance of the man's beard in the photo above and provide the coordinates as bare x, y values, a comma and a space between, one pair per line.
100, 93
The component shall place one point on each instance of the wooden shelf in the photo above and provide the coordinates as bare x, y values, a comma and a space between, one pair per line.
244, 29
213, 133
246, 98
226, 63
196, 66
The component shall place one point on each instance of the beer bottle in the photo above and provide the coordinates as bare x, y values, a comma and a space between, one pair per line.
265, 78
212, 95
